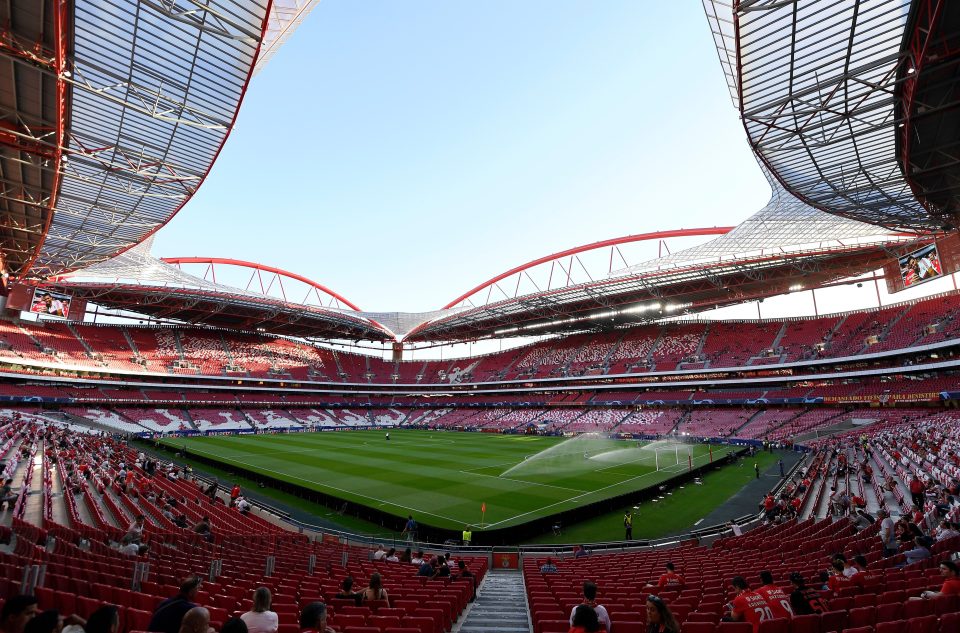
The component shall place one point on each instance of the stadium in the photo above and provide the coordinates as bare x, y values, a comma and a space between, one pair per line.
613, 423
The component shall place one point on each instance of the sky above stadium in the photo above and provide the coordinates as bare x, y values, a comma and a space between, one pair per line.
401, 152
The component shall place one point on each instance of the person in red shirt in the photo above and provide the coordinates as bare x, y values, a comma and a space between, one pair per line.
769, 506
777, 599
234, 493
951, 581
670, 579
796, 504
748, 606
837, 580
916, 490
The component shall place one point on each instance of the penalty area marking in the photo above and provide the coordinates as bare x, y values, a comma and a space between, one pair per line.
620, 483
584, 494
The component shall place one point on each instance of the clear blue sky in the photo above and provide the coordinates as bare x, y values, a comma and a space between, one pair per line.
401, 152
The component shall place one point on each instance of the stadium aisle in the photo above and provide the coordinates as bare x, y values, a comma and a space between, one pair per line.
745, 501
501, 605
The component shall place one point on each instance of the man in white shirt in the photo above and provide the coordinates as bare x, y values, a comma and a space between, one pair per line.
380, 553
590, 600
417, 558
887, 535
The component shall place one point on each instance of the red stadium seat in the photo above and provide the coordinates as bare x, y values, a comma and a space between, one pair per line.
926, 624
427, 625
805, 624
833, 621
698, 627
950, 623
889, 612
896, 626
734, 627
862, 616
622, 626
777, 625
697, 616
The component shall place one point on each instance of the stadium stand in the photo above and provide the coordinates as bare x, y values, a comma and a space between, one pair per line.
85, 507
641, 349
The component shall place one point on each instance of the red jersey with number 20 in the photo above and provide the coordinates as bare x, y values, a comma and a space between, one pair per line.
777, 600
751, 607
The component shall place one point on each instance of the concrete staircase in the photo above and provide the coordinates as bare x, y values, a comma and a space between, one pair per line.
500, 607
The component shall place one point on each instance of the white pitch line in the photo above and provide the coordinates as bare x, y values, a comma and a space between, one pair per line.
589, 492
349, 492
520, 481
620, 483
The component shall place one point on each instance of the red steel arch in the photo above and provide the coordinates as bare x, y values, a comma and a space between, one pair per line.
616, 241
226, 261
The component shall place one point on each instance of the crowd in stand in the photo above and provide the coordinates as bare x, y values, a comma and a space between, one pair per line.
178, 526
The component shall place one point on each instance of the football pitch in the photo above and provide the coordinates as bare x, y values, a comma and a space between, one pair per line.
445, 478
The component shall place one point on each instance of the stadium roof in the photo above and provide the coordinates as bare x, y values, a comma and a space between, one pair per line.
111, 121
136, 281
818, 85
786, 246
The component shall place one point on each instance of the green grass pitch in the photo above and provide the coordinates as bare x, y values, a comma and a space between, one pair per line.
442, 478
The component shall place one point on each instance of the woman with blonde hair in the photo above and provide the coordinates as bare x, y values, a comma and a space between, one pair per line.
260, 619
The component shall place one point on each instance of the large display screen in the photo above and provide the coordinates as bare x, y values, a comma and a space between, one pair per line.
50, 303
920, 266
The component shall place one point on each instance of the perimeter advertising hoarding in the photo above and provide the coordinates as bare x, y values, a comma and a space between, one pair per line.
51, 304
920, 266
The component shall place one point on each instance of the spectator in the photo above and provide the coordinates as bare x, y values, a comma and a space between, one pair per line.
803, 599
747, 606
887, 533
465, 574
584, 620
590, 600
375, 590
168, 615
234, 494
951, 581
243, 505
196, 620
670, 579
103, 620
947, 530
442, 568
659, 617
777, 601
44, 622
380, 554
548, 567
917, 490
418, 558
347, 593
6, 494
406, 556
838, 580
260, 619
427, 568
920, 552
313, 619
234, 625
391, 556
